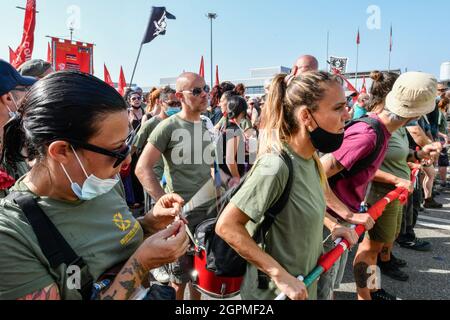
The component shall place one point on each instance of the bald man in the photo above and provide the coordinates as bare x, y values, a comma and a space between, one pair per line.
185, 144
306, 63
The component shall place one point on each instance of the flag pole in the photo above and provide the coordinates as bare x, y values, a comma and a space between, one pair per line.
390, 49
136, 63
328, 47
357, 60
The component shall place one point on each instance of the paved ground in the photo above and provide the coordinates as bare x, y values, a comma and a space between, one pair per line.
429, 271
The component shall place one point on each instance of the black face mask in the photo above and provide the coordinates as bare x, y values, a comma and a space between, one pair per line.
325, 141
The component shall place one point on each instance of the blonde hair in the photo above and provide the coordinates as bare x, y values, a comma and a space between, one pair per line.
286, 95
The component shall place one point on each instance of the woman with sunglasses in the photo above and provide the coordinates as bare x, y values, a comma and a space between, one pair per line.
133, 188
75, 127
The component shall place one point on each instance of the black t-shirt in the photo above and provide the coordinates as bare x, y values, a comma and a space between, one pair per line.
232, 131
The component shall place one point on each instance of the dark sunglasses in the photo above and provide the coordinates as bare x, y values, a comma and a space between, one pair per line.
136, 98
120, 154
198, 91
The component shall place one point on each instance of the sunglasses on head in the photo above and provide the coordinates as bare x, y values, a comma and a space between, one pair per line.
120, 154
198, 91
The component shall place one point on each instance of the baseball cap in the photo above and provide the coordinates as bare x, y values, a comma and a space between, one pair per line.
10, 78
413, 95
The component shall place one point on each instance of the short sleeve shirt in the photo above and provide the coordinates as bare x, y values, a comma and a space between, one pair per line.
101, 231
359, 141
295, 238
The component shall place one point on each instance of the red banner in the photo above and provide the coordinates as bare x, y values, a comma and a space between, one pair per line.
25, 49
72, 55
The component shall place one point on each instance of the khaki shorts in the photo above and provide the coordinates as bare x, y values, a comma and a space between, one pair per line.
388, 226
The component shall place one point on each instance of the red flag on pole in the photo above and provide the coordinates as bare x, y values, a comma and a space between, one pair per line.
358, 38
122, 83
349, 86
12, 55
364, 88
202, 68
49, 54
25, 49
217, 76
108, 79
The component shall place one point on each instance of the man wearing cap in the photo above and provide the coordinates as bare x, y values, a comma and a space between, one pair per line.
413, 96
13, 88
36, 68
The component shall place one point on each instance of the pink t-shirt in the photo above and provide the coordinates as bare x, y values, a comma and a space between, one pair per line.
359, 142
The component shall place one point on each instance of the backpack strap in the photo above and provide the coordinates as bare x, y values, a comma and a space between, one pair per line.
361, 164
272, 213
270, 216
53, 245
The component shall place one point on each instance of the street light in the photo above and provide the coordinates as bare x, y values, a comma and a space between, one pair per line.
211, 17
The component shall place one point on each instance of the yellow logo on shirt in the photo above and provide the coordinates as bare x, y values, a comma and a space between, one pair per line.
121, 223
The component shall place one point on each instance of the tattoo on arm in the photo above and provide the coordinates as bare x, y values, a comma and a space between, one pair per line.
127, 281
49, 293
111, 296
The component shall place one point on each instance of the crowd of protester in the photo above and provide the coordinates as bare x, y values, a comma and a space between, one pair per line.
113, 175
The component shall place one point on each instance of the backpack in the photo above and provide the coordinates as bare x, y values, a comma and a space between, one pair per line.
221, 258
361, 164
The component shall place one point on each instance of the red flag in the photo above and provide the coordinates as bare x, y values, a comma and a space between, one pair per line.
12, 55
358, 39
122, 83
108, 79
25, 49
49, 54
217, 76
349, 86
364, 89
202, 68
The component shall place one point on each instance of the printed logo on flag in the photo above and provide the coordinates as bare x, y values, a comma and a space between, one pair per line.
338, 63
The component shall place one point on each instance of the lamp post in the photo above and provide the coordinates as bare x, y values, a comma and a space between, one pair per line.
211, 17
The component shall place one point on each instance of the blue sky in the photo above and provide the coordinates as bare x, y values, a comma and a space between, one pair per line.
248, 34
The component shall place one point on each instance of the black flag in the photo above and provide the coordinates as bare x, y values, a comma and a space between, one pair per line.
157, 24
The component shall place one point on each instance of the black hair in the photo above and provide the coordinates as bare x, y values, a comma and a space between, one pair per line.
227, 86
236, 106
63, 105
165, 92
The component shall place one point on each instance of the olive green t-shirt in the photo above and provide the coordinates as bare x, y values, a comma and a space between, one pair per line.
142, 139
246, 124
395, 161
188, 154
101, 231
295, 238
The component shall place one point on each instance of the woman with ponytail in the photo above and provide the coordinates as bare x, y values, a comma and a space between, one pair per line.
298, 110
75, 127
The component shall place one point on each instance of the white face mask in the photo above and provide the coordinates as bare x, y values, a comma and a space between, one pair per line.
93, 187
